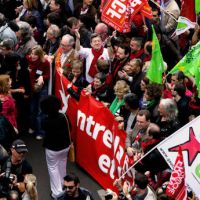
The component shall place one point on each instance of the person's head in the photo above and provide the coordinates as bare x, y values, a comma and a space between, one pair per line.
121, 88
144, 82
99, 80
77, 67
179, 89
96, 41
2, 19
123, 52
141, 181
168, 109
13, 195
30, 4
5, 84
50, 105
120, 120
153, 91
18, 150
177, 77
25, 30
30, 186
143, 119
57, 5
87, 2
53, 32
73, 24
37, 53
135, 66
71, 184
103, 65
32, 20
153, 131
131, 101
156, 16
6, 46
67, 43
53, 18
102, 29
135, 44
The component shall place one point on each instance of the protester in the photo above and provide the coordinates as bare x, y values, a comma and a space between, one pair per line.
30, 188
39, 70
72, 189
168, 117
139, 132
6, 31
117, 106
56, 145
8, 103
52, 40
65, 55
92, 54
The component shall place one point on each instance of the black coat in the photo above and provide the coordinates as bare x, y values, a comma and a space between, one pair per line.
57, 133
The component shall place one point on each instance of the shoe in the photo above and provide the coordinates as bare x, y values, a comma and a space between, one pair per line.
39, 137
30, 131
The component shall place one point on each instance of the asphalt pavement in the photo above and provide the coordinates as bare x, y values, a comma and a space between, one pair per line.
36, 158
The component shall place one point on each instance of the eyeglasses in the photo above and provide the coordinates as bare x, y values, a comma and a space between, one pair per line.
68, 187
120, 121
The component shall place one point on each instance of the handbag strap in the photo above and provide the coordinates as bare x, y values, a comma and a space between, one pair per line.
68, 127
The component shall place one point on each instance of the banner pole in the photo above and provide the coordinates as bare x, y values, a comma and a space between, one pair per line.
170, 14
163, 141
137, 162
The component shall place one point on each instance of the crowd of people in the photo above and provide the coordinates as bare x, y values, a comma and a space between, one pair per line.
39, 37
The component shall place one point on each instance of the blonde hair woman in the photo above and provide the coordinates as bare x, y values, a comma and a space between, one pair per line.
8, 103
121, 88
30, 188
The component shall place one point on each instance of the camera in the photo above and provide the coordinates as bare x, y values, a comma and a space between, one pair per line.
6, 179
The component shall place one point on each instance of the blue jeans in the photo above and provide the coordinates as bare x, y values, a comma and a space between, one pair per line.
36, 116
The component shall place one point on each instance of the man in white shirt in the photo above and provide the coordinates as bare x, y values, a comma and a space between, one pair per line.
92, 54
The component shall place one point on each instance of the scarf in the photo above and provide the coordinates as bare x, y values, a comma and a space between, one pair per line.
115, 105
96, 54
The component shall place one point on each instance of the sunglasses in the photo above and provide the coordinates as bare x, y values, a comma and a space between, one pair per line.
68, 187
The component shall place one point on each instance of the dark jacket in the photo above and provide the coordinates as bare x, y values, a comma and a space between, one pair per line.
83, 194
56, 132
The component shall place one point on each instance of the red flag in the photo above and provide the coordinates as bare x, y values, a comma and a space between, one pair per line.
176, 187
146, 11
188, 10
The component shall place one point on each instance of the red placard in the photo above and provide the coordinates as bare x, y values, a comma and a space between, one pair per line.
117, 13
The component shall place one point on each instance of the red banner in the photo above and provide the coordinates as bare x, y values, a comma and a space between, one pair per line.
69, 105
100, 143
117, 13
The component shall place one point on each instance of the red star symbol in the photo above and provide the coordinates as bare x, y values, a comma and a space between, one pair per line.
192, 146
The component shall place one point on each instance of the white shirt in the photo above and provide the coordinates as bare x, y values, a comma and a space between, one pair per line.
87, 54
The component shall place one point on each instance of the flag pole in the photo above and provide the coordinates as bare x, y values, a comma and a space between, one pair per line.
160, 143
162, 9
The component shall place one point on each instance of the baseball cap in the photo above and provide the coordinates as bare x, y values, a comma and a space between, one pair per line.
19, 146
7, 43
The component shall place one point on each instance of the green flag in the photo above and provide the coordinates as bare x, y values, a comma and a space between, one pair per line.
156, 67
197, 78
188, 63
197, 6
